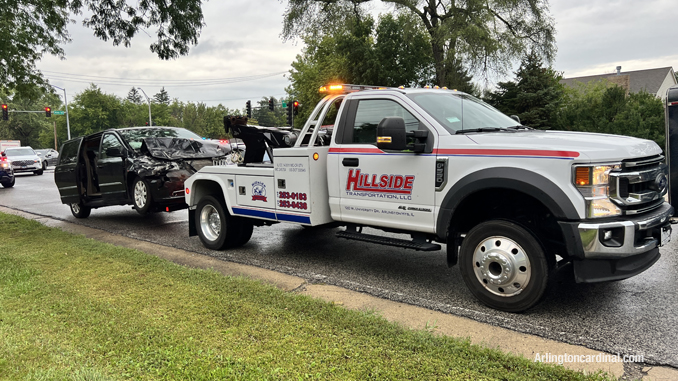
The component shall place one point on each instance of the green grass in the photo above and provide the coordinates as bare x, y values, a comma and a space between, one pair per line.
72, 308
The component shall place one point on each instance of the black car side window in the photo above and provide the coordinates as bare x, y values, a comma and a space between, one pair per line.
109, 141
69, 154
371, 112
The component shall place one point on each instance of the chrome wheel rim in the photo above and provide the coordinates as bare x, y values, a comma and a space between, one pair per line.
75, 208
140, 194
501, 266
210, 222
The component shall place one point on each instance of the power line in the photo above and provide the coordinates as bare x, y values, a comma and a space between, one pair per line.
117, 81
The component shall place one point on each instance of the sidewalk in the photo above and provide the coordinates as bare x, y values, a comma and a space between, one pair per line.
410, 316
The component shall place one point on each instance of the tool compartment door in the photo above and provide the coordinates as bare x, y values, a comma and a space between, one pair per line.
292, 184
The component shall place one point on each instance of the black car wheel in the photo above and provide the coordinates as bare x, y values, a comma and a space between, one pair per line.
38, 172
9, 184
216, 228
141, 196
504, 266
80, 211
44, 165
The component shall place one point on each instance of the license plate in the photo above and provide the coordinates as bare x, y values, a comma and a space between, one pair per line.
666, 235
23, 167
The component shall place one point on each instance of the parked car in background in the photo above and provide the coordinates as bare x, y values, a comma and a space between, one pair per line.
141, 166
6, 172
49, 157
24, 159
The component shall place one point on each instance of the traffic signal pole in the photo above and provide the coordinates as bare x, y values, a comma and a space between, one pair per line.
68, 123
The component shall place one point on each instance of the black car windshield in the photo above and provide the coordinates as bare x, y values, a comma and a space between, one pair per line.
135, 136
457, 112
19, 152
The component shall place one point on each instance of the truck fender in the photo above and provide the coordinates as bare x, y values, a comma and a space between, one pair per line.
530, 183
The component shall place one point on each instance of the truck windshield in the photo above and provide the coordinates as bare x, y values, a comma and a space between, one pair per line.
135, 136
458, 112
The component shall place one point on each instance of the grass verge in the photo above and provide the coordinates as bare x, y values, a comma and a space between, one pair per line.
72, 308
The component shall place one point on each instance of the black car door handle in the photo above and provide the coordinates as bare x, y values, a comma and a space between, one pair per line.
350, 162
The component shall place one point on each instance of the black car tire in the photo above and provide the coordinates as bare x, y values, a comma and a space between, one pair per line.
44, 165
504, 266
38, 172
246, 228
216, 228
80, 211
9, 184
141, 196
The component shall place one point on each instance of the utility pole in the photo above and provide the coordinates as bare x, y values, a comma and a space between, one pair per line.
55, 138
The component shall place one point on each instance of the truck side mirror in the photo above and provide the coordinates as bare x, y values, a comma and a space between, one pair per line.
516, 118
391, 134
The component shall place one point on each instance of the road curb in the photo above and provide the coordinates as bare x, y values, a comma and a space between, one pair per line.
528, 346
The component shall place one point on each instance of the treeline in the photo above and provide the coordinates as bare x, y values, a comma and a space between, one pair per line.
541, 101
93, 110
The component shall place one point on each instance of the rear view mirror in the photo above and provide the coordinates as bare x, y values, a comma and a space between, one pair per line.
114, 152
516, 118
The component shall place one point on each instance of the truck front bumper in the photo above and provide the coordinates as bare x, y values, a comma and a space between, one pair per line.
616, 250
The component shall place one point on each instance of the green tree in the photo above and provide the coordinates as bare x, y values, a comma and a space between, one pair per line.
484, 35
162, 97
394, 53
26, 125
268, 118
605, 108
92, 110
31, 28
534, 96
134, 96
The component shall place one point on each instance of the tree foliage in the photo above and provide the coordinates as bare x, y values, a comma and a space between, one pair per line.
534, 96
480, 35
393, 52
604, 107
162, 97
24, 123
31, 28
134, 96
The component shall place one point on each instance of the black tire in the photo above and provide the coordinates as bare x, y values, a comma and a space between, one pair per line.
38, 172
44, 165
80, 211
10, 183
141, 196
216, 228
246, 228
504, 266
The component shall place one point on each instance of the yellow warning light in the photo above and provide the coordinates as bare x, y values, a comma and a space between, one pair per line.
436, 87
316, 156
427, 87
401, 87
444, 87
384, 139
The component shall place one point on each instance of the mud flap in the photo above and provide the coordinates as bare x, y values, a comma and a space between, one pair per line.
192, 231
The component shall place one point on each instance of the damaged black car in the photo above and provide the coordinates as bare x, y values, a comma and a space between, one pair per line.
141, 166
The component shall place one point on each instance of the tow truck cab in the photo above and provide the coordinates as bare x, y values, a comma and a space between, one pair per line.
446, 168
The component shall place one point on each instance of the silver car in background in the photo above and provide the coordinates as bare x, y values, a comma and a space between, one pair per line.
24, 159
49, 157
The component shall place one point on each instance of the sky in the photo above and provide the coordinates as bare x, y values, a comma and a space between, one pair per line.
240, 46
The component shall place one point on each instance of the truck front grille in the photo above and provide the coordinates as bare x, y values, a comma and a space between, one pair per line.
640, 184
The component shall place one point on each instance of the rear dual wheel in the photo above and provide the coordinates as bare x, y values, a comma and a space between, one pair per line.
218, 229
504, 266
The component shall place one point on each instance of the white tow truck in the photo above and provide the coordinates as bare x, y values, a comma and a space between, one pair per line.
512, 204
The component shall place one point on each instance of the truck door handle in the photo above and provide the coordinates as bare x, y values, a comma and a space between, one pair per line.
350, 162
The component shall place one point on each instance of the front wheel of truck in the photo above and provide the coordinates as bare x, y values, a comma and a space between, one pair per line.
504, 266
216, 228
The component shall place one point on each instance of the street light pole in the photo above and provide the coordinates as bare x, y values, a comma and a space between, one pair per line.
150, 122
68, 123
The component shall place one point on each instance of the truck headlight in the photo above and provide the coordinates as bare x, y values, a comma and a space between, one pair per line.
593, 182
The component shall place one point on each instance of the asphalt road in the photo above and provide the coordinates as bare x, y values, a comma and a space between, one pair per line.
637, 316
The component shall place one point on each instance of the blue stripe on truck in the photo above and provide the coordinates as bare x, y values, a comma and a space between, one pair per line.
272, 216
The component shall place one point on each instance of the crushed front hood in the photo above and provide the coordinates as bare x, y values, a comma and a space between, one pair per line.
182, 148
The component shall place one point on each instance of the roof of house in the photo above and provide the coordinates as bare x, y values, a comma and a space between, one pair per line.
649, 80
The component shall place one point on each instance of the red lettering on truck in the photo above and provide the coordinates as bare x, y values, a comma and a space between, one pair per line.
395, 184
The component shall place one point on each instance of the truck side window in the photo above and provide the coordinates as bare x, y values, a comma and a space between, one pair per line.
69, 153
371, 112
109, 141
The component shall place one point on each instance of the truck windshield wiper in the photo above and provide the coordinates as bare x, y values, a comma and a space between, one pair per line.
484, 129
520, 127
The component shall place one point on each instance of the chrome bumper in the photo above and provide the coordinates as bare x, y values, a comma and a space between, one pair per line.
621, 239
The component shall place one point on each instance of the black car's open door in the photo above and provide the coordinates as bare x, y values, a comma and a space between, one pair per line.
66, 172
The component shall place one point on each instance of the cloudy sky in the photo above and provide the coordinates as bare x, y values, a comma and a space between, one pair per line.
241, 40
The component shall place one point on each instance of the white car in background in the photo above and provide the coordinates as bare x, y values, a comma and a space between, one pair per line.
24, 159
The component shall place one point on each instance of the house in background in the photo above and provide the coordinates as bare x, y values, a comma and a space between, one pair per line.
654, 81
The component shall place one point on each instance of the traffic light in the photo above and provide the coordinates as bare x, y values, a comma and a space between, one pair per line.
270, 104
248, 106
5, 112
48, 111
289, 114
295, 106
